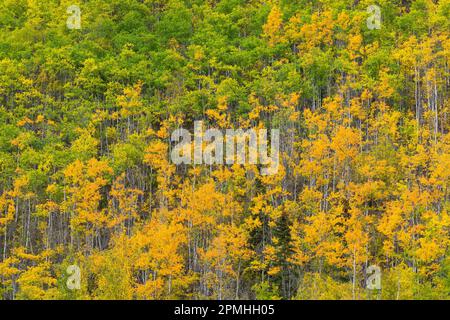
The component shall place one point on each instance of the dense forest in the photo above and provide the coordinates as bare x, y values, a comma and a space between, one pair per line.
87, 182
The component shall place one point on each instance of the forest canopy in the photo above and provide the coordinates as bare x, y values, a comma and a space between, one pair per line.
87, 183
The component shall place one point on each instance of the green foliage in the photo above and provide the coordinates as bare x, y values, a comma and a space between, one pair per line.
85, 174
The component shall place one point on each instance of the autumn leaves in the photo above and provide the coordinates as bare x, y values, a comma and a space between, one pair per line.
87, 176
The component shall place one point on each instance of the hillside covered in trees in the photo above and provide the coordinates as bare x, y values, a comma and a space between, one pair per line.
86, 177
